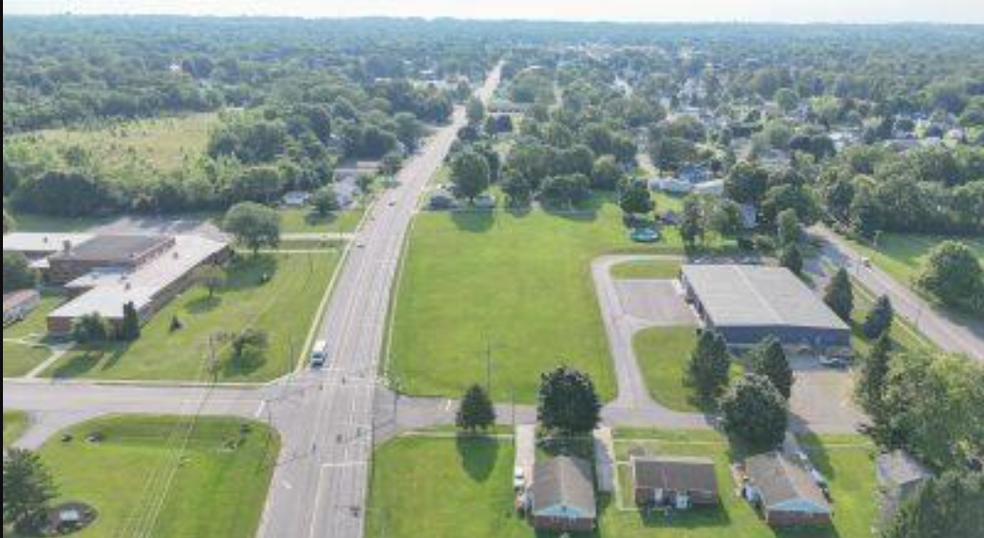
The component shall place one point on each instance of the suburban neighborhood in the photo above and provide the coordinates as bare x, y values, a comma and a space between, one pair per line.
372, 277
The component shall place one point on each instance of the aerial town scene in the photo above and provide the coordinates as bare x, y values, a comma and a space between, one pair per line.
542, 269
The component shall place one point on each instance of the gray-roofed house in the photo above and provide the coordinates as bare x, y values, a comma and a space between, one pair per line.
562, 498
785, 492
748, 303
899, 478
680, 483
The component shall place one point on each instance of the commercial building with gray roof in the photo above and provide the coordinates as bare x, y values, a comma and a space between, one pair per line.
748, 303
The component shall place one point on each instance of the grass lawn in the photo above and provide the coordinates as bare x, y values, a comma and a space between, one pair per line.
663, 354
903, 334
166, 144
647, 270
304, 221
13, 426
23, 346
520, 283
219, 486
284, 307
472, 478
903, 256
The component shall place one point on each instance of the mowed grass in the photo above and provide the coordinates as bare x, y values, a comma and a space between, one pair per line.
647, 270
166, 144
24, 346
664, 355
284, 307
219, 486
448, 488
903, 256
306, 221
444, 488
518, 284
14, 425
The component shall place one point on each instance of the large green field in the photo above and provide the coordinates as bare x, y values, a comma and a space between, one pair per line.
218, 488
166, 144
472, 479
24, 346
903, 256
13, 426
519, 284
284, 307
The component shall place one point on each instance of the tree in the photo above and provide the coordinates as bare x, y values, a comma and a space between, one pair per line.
249, 348
839, 295
790, 230
27, 491
325, 201
635, 198
91, 329
951, 506
606, 174
755, 412
476, 411
17, 273
409, 130
211, 277
9, 224
952, 274
470, 173
475, 111
787, 99
874, 376
710, 365
254, 226
768, 359
692, 222
568, 402
878, 322
747, 183
129, 330
726, 219
791, 258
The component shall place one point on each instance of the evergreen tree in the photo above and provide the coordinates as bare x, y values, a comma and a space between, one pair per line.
130, 327
769, 359
710, 365
476, 411
879, 320
27, 490
840, 295
791, 258
568, 402
874, 375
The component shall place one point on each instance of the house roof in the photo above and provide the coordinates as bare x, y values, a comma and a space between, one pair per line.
758, 296
564, 481
899, 468
780, 481
675, 474
18, 298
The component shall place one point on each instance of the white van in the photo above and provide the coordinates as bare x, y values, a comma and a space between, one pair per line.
319, 354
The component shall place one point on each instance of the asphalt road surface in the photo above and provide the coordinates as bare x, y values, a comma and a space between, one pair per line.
946, 332
320, 488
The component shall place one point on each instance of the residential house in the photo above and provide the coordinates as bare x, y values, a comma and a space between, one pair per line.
562, 498
785, 492
680, 483
899, 478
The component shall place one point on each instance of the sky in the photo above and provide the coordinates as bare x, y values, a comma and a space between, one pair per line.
792, 11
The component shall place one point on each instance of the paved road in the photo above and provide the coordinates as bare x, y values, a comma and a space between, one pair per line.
320, 488
936, 325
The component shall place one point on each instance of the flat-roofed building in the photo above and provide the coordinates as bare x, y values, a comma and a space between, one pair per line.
748, 303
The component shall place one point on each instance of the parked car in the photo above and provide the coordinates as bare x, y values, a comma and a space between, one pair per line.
519, 479
836, 363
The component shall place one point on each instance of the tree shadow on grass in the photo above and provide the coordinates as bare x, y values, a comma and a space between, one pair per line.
479, 455
248, 272
204, 304
475, 222
91, 359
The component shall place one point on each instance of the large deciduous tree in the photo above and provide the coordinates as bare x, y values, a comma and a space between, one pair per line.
755, 412
27, 491
568, 402
952, 274
17, 273
470, 173
254, 226
951, 506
